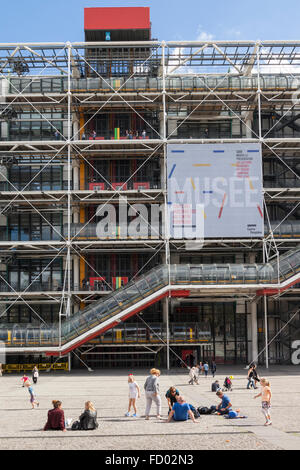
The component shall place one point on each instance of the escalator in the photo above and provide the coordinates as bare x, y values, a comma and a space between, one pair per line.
160, 282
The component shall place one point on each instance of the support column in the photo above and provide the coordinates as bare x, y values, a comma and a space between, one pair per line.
249, 129
4, 89
166, 323
76, 279
254, 347
253, 327
76, 174
161, 123
76, 135
76, 269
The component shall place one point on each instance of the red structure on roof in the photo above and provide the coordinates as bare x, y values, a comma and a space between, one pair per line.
116, 18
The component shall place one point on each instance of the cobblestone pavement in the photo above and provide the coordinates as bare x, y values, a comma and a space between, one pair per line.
21, 427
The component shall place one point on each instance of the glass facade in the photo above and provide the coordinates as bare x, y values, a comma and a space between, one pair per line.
33, 226
34, 178
34, 274
35, 126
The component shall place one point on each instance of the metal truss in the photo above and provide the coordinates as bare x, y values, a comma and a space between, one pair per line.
227, 85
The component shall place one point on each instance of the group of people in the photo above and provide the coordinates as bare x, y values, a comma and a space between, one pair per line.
201, 368
56, 418
129, 134
179, 409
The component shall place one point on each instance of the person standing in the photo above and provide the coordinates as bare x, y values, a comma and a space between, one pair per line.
151, 388
205, 369
192, 375
134, 393
213, 368
250, 378
255, 376
266, 396
35, 374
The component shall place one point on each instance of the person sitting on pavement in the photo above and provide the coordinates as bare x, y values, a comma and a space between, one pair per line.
171, 397
234, 415
181, 411
56, 418
224, 407
215, 386
88, 419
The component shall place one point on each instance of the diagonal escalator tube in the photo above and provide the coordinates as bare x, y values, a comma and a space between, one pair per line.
152, 286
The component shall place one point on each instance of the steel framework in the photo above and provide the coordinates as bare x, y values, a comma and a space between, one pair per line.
249, 87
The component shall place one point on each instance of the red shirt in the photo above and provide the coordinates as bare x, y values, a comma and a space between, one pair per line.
56, 420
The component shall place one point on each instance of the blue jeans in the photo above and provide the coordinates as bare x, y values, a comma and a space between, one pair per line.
250, 383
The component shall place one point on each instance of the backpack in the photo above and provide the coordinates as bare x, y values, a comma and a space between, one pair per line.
194, 411
75, 426
203, 410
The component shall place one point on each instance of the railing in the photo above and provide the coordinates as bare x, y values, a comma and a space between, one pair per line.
148, 285
148, 83
154, 333
89, 186
119, 232
289, 229
271, 181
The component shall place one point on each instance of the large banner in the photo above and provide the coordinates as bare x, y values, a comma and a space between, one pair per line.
215, 190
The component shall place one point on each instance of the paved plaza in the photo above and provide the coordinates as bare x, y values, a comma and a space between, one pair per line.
21, 427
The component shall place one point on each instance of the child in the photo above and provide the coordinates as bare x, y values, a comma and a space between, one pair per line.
33, 399
234, 415
24, 379
134, 393
266, 396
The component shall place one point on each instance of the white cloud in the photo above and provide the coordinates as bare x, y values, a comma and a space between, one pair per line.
275, 65
204, 36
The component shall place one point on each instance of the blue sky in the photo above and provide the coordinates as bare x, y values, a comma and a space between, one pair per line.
62, 20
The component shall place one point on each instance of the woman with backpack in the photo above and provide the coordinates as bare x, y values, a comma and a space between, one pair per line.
87, 420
